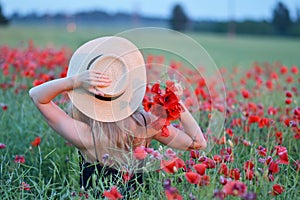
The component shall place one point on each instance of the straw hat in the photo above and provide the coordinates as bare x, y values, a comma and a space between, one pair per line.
124, 64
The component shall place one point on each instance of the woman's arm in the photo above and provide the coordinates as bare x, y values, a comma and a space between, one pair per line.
191, 137
57, 119
192, 129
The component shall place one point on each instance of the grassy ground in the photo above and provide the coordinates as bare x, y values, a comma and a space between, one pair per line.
51, 169
240, 51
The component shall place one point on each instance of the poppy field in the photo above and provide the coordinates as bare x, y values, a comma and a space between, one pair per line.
256, 155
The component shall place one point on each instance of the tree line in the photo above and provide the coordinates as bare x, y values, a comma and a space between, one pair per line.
280, 24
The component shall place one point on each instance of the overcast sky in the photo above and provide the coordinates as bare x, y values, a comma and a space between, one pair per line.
196, 9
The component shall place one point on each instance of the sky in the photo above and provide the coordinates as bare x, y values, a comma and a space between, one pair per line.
195, 9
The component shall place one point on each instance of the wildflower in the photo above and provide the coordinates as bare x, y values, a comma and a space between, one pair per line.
171, 166
172, 194
112, 194
24, 186
170, 153
245, 93
3, 106
235, 188
204, 180
192, 177
273, 168
288, 101
262, 150
283, 69
200, 168
2, 146
19, 159
36, 142
294, 69
140, 153
277, 189
234, 174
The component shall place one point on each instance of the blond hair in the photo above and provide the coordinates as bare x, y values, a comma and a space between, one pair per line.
121, 135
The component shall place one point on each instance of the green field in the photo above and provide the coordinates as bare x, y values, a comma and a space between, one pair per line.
51, 168
239, 51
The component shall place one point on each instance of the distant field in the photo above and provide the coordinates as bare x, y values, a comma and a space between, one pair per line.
239, 51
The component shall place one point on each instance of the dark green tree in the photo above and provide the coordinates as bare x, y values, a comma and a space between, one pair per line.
281, 18
3, 19
179, 20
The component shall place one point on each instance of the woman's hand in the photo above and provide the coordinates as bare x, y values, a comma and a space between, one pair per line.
92, 81
178, 90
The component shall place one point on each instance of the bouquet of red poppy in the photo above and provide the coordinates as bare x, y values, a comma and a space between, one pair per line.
163, 102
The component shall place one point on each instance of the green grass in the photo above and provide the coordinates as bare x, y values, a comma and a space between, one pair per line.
52, 169
238, 51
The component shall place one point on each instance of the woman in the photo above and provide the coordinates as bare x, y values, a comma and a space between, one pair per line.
103, 74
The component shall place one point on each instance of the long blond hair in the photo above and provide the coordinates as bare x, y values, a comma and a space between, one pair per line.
120, 134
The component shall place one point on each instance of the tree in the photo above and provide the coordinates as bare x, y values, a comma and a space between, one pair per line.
3, 19
179, 19
281, 18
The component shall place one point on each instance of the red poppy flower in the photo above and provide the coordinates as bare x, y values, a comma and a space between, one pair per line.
236, 122
172, 194
277, 189
229, 131
253, 119
147, 105
223, 170
235, 174
278, 137
217, 158
281, 151
235, 188
294, 69
192, 177
273, 168
204, 180
112, 194
264, 122
156, 88
170, 100
269, 84
224, 180
24, 186
200, 168
249, 174
171, 166
127, 176
37, 82
283, 69
288, 101
165, 131
262, 150
245, 93
36, 142
3, 106
274, 75
297, 165
288, 94
19, 159
289, 79
140, 153
2, 146
248, 165
194, 154
210, 163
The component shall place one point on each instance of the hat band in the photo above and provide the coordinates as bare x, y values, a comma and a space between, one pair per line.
93, 60
108, 98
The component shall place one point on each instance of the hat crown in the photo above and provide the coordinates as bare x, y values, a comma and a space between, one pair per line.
115, 68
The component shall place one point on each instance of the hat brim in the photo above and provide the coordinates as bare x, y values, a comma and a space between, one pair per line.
124, 105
